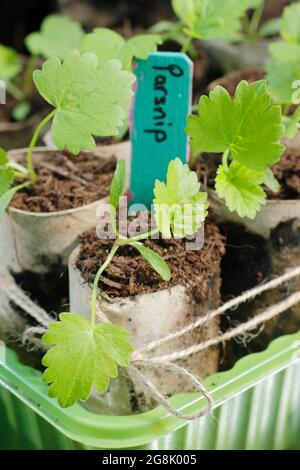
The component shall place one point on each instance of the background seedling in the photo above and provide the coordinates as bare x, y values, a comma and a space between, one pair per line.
215, 20
283, 69
247, 130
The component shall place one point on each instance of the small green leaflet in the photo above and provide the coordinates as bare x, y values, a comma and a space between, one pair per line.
6, 174
180, 207
83, 357
89, 100
271, 182
157, 263
58, 36
281, 77
249, 125
21, 111
213, 19
6, 198
291, 124
108, 44
10, 64
3, 157
284, 69
117, 187
6, 178
241, 189
284, 52
270, 28
290, 23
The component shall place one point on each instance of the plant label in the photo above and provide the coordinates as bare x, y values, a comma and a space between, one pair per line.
162, 103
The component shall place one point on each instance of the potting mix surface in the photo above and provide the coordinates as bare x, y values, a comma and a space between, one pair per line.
66, 181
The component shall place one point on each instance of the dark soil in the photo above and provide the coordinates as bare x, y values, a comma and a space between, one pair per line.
231, 80
287, 171
129, 274
66, 182
274, 9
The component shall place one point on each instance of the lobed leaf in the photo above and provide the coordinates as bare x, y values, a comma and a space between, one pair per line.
241, 189
180, 207
82, 357
213, 19
108, 44
89, 100
249, 125
58, 36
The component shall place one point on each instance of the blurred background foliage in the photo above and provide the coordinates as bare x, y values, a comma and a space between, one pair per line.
18, 18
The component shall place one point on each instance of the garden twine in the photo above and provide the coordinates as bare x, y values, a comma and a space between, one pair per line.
141, 357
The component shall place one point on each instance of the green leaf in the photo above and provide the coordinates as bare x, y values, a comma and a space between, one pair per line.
117, 187
83, 357
157, 263
271, 182
58, 36
103, 42
280, 78
241, 188
139, 47
291, 124
284, 52
21, 111
3, 157
6, 178
180, 207
270, 28
89, 100
6, 198
213, 19
249, 125
10, 64
290, 23
6, 174
108, 44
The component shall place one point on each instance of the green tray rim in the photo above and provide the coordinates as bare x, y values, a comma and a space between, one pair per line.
117, 432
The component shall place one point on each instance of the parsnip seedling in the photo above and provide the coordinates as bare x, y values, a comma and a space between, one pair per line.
87, 101
247, 130
85, 354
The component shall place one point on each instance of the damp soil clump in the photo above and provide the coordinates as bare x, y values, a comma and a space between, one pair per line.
66, 182
286, 171
129, 274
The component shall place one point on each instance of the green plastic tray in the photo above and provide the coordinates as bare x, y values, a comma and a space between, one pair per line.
257, 406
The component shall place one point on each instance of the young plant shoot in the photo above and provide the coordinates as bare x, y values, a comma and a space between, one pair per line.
88, 100
85, 354
58, 36
283, 70
247, 130
214, 20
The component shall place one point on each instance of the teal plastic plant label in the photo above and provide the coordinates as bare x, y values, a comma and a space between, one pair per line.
162, 103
